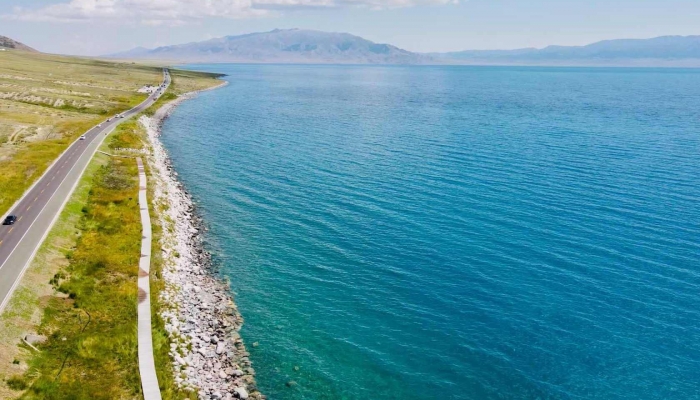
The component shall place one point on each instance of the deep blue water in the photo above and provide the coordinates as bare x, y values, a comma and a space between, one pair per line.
455, 232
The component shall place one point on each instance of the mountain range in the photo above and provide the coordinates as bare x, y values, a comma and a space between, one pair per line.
308, 46
660, 51
316, 47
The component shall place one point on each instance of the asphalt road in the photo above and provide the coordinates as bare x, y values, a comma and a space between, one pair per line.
40, 206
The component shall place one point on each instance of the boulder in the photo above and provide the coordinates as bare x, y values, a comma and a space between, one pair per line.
241, 393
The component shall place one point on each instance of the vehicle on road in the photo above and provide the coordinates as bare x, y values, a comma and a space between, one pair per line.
99, 125
10, 220
82, 137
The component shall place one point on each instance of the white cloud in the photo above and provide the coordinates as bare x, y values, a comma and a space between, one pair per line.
151, 12
158, 12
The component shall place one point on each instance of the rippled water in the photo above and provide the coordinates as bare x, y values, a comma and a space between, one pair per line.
455, 232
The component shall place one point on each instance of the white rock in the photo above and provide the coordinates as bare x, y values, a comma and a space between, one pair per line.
241, 393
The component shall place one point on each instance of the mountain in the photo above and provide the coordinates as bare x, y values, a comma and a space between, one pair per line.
6, 42
307, 46
660, 51
282, 46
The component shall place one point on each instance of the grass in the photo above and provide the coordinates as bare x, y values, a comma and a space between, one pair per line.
25, 310
80, 290
47, 101
133, 136
185, 82
190, 81
91, 350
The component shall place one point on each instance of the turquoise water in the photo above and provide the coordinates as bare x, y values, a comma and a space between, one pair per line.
455, 232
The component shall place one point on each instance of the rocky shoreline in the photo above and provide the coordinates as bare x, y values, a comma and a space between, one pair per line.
206, 350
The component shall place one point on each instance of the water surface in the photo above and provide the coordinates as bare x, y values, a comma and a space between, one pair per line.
455, 232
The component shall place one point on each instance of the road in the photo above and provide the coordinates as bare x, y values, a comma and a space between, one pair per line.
41, 205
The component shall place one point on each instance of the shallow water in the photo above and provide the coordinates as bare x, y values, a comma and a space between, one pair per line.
455, 232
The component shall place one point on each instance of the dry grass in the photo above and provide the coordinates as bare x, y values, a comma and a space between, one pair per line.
47, 101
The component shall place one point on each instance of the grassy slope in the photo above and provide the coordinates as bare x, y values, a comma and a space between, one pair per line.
100, 276
47, 101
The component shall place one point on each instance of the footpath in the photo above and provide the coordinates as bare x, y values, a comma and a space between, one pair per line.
147, 365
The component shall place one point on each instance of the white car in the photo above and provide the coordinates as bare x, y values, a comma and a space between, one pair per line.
82, 137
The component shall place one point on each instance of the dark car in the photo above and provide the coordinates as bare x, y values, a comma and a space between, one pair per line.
10, 220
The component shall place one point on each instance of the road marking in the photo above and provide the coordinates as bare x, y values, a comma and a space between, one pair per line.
42, 191
11, 229
29, 208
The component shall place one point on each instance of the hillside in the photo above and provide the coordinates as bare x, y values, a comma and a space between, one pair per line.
282, 46
8, 43
660, 51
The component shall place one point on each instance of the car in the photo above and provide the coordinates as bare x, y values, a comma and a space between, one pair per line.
99, 125
82, 137
10, 220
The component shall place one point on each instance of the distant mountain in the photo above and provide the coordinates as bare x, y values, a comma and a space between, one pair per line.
8, 43
282, 46
307, 46
660, 51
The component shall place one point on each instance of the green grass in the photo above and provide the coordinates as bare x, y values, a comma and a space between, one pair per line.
167, 97
91, 352
127, 136
25, 309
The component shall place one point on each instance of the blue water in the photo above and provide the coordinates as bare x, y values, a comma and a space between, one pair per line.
455, 232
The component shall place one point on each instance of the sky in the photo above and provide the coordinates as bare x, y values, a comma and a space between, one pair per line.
97, 27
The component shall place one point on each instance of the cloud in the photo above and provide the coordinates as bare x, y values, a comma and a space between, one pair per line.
177, 12
153, 12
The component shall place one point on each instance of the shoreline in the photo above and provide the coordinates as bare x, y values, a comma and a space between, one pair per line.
202, 321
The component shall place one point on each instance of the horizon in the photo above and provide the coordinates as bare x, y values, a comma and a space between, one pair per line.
420, 26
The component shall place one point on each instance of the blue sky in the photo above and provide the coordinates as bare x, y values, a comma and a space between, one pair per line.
93, 27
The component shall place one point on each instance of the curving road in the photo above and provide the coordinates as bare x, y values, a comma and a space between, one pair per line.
41, 205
